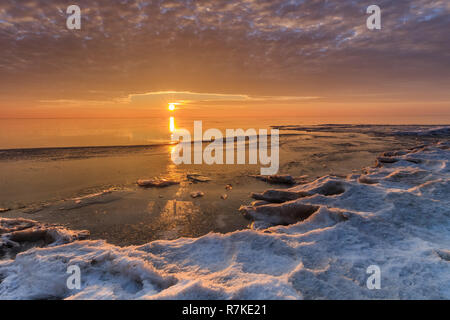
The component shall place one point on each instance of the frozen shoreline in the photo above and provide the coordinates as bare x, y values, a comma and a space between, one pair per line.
395, 216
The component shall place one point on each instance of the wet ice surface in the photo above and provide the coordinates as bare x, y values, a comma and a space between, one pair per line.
394, 215
95, 188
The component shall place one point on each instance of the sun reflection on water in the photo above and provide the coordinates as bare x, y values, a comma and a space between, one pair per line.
172, 124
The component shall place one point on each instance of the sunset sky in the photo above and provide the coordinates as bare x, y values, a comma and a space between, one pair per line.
249, 57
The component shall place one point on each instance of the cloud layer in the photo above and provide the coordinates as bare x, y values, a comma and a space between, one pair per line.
253, 47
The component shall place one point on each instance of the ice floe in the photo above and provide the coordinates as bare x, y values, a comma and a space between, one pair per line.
196, 177
157, 183
18, 235
197, 194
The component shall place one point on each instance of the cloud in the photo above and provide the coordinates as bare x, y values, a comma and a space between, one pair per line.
257, 47
186, 99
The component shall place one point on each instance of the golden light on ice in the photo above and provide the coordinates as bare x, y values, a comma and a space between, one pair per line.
171, 106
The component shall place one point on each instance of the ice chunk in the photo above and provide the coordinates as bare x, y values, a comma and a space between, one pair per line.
156, 183
21, 234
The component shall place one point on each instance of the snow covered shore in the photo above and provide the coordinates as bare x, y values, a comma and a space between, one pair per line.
395, 216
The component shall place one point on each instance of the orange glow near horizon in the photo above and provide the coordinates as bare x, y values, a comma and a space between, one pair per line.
171, 106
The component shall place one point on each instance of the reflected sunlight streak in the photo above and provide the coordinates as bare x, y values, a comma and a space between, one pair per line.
172, 124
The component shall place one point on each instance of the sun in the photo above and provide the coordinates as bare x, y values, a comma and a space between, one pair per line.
171, 106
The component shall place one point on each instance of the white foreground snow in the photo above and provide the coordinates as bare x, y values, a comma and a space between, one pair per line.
396, 216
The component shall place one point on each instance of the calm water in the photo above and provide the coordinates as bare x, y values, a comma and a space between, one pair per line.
39, 133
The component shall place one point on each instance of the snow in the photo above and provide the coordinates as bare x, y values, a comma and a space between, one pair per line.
396, 216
